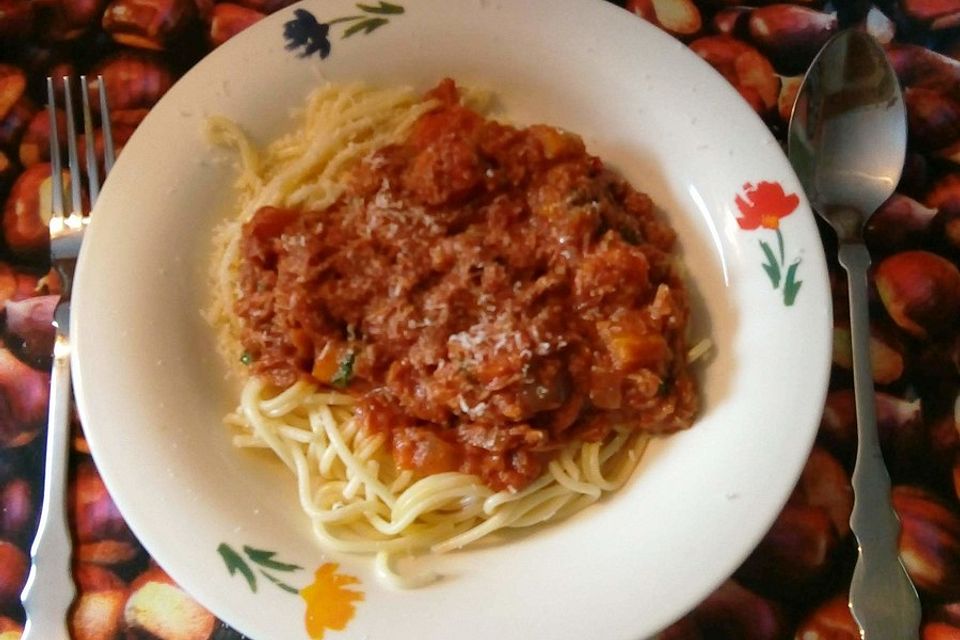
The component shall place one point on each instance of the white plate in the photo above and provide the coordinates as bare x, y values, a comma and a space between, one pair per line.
151, 391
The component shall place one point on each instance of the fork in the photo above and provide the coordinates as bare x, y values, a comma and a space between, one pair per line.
49, 591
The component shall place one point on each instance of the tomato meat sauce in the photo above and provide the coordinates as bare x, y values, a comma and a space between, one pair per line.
488, 293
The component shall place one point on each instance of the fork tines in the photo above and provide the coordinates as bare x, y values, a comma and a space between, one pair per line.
93, 170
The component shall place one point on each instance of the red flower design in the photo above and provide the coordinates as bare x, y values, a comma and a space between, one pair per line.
764, 204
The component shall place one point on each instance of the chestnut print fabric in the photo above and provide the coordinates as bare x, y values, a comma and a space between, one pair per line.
793, 585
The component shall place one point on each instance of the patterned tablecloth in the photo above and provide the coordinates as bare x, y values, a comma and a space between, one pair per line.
793, 584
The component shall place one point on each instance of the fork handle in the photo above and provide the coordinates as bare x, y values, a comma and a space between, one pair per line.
50, 591
883, 600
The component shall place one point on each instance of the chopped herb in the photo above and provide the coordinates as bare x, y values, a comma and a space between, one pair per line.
344, 372
246, 358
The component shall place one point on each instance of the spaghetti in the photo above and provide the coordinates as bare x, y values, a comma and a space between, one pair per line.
401, 462
359, 502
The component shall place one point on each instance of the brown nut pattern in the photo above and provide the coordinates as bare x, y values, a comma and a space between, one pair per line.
832, 620
943, 439
147, 24
27, 212
744, 67
944, 196
901, 430
101, 533
900, 223
825, 484
16, 108
791, 35
939, 631
10, 629
920, 291
918, 67
680, 18
794, 555
8, 171
67, 19
733, 611
936, 14
948, 612
933, 117
929, 541
16, 20
24, 393
228, 19
13, 574
16, 509
886, 357
133, 80
98, 612
16, 284
35, 143
789, 87
30, 327
158, 608
732, 21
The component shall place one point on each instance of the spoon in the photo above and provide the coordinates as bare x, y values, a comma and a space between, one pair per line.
847, 141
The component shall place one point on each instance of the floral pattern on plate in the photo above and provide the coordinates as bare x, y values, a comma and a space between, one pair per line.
329, 598
764, 205
306, 33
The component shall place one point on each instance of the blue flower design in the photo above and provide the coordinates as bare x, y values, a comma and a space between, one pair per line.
312, 36
304, 31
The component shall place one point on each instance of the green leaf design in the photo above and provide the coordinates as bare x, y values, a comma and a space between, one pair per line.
345, 19
384, 8
236, 563
279, 583
771, 266
791, 287
366, 26
264, 558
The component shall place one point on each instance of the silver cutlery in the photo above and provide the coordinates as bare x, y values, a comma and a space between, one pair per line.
50, 591
847, 141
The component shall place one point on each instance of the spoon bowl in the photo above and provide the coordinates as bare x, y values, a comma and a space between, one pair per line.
848, 131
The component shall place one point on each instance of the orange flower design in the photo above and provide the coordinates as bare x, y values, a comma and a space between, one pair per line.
329, 602
764, 204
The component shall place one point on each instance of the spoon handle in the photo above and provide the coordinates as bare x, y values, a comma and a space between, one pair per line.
883, 600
